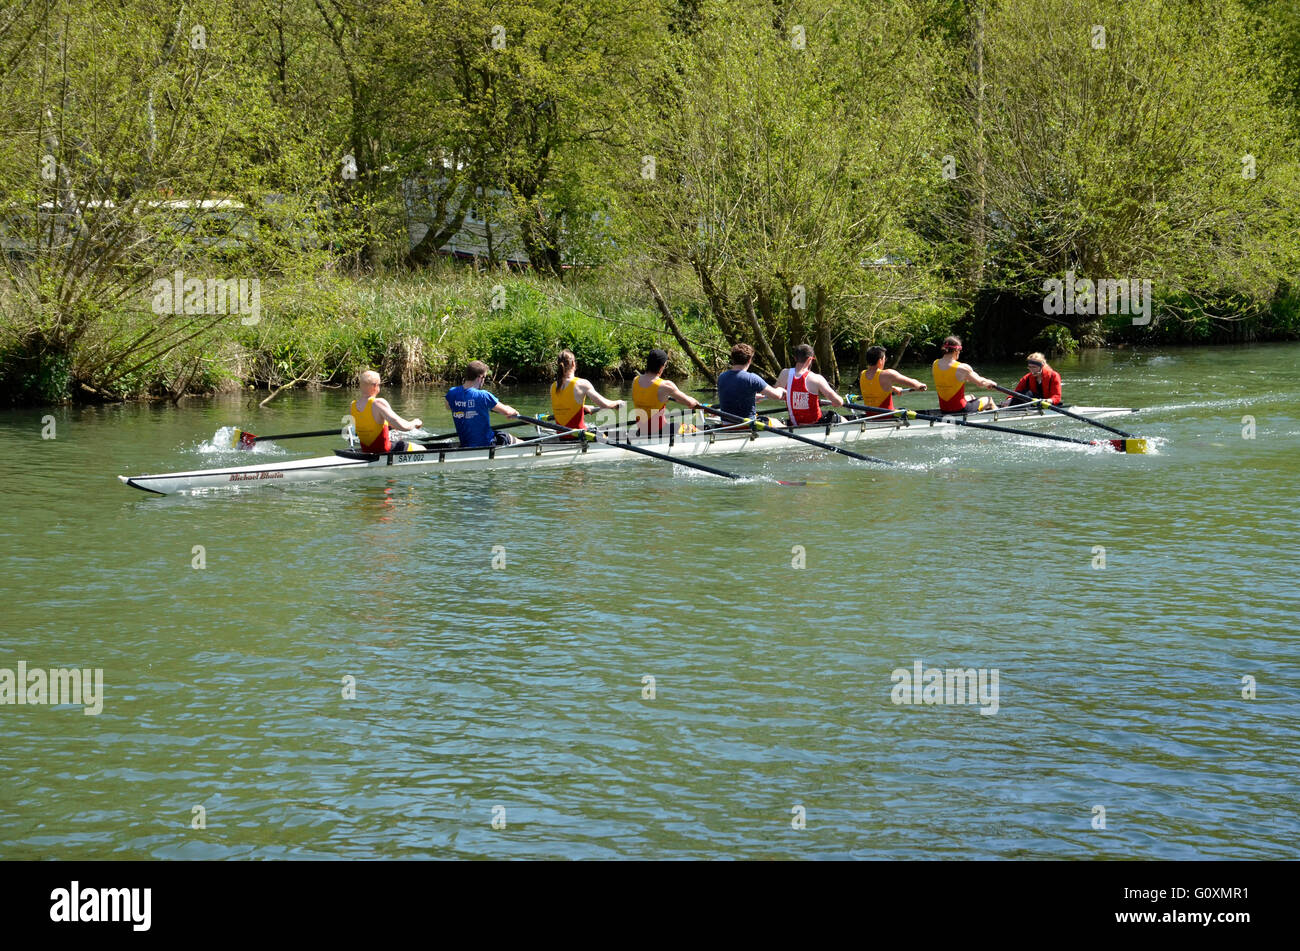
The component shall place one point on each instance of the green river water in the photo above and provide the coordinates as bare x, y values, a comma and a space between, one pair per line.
515, 694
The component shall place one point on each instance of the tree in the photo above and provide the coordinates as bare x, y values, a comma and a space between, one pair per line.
123, 163
779, 157
534, 92
1119, 142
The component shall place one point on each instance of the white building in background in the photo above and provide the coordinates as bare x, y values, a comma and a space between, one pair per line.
487, 230
211, 222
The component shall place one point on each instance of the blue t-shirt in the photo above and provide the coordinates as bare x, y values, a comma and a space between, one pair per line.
469, 411
737, 392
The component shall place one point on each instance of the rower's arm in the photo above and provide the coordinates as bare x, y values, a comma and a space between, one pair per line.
394, 420
584, 388
505, 410
825, 389
772, 392
1052, 390
968, 375
894, 378
669, 391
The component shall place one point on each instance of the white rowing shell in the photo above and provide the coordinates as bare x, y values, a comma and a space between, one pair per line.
552, 452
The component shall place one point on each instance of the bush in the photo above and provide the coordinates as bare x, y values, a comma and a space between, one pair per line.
1284, 313
1056, 340
32, 376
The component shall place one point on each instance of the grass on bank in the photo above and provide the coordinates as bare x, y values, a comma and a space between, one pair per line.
422, 328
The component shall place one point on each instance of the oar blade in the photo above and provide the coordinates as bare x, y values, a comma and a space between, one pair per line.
242, 440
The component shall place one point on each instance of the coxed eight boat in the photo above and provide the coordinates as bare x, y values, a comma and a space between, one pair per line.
550, 450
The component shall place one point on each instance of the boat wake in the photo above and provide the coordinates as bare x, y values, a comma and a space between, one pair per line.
1218, 404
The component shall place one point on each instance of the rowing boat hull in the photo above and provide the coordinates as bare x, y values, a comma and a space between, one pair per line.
553, 452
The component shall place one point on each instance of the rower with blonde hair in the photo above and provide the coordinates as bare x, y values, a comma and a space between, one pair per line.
372, 418
1041, 382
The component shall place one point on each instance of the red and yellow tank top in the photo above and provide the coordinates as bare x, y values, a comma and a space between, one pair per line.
374, 435
803, 406
873, 394
567, 408
650, 411
952, 391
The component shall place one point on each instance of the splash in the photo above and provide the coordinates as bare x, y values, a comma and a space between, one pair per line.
224, 441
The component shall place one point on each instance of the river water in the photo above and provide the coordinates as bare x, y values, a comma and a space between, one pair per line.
505, 711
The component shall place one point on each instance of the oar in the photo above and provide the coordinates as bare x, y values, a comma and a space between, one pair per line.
243, 440
594, 436
902, 389
453, 434
875, 412
1134, 443
795, 436
510, 425
955, 421
429, 441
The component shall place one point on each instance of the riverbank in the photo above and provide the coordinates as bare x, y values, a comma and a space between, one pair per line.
421, 328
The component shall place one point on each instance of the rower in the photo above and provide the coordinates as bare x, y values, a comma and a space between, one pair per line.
374, 416
651, 393
1041, 382
877, 385
804, 389
738, 389
951, 377
569, 395
470, 405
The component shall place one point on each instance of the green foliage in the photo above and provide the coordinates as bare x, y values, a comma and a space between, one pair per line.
1056, 340
765, 193
32, 376
859, 158
1284, 313
1154, 150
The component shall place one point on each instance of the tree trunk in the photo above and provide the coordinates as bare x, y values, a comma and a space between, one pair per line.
675, 330
975, 269
765, 314
796, 323
717, 304
824, 345
541, 242
760, 337
440, 230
